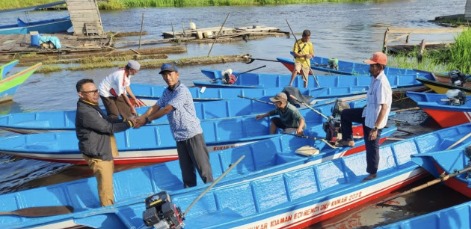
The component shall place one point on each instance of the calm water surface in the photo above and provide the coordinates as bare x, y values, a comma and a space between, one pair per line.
347, 31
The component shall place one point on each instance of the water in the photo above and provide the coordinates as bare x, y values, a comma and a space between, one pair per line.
350, 31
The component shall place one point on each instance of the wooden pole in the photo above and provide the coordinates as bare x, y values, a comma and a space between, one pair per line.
212, 184
421, 51
385, 41
218, 33
140, 33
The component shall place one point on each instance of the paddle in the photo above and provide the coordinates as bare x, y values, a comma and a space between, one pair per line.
442, 178
40, 211
305, 104
315, 139
254, 99
299, 47
253, 69
212, 184
253, 59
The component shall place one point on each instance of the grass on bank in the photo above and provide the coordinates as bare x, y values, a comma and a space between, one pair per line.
456, 57
123, 4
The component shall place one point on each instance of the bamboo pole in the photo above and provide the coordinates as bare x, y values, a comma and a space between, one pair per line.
140, 32
222, 26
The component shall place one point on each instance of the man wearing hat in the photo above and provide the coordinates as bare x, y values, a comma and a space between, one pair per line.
177, 103
290, 120
116, 93
303, 52
374, 116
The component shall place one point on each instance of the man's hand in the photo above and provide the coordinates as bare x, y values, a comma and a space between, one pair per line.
259, 116
373, 135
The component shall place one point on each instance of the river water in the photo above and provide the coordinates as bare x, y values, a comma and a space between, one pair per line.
350, 31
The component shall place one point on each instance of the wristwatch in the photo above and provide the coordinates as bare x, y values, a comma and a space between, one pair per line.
375, 128
148, 120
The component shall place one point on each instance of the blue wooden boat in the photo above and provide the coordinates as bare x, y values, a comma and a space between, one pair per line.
150, 93
155, 143
455, 217
34, 122
56, 25
445, 111
351, 68
271, 188
442, 88
449, 162
268, 80
10, 83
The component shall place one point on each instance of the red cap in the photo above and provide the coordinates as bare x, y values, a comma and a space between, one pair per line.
378, 58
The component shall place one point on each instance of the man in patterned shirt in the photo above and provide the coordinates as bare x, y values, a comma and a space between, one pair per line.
177, 103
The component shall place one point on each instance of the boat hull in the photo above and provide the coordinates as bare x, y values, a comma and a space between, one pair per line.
10, 84
59, 25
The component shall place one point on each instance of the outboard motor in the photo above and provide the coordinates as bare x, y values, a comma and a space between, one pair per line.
456, 97
457, 78
161, 213
332, 125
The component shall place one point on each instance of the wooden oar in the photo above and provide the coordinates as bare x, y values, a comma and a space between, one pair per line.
212, 184
251, 60
442, 178
40, 211
305, 104
315, 139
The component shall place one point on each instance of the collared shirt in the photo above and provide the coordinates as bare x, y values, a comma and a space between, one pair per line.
301, 47
289, 116
183, 120
380, 92
116, 81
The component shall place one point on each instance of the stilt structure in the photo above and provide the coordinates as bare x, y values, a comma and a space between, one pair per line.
467, 10
85, 17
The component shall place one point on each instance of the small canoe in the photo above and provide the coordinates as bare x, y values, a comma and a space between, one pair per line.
10, 83
152, 144
454, 217
449, 162
34, 122
445, 78
350, 68
49, 26
440, 108
150, 93
442, 88
268, 80
285, 191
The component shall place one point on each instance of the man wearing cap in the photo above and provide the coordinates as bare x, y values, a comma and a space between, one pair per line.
95, 134
177, 103
303, 51
290, 120
115, 89
374, 116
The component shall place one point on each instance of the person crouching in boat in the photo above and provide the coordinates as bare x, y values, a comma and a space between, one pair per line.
289, 120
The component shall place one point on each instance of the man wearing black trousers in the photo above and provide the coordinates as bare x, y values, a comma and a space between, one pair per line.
373, 116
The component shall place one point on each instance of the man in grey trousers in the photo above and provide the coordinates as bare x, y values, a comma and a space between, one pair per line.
177, 103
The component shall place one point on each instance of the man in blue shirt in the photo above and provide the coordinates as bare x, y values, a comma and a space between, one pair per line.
177, 103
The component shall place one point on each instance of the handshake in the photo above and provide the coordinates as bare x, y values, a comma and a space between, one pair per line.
137, 122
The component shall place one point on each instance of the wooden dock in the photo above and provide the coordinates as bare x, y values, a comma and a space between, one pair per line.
224, 32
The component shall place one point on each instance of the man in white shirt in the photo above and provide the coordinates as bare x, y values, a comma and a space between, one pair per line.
115, 89
374, 116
